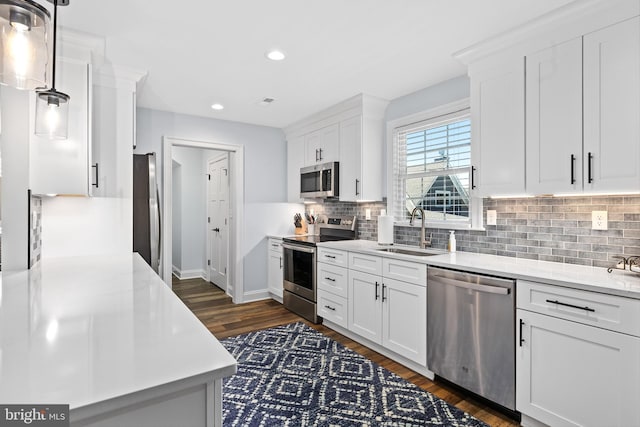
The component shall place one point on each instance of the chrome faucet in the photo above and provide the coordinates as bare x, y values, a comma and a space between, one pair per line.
423, 242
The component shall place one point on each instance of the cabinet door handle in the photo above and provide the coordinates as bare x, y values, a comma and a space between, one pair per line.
330, 308
473, 180
357, 182
95, 184
521, 325
280, 263
330, 279
589, 161
330, 256
217, 230
571, 305
573, 163
316, 154
376, 291
321, 154
384, 298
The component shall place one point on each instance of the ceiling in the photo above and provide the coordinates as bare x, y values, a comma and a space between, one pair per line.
200, 52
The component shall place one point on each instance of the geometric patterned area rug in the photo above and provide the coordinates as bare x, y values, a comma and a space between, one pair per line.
293, 375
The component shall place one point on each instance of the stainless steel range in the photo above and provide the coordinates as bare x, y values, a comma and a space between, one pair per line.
300, 292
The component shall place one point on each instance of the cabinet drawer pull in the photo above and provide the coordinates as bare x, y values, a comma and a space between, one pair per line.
473, 181
330, 308
521, 325
330, 256
97, 175
275, 245
589, 161
571, 305
573, 163
330, 279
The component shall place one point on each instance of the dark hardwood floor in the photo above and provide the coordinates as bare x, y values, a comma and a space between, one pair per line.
225, 319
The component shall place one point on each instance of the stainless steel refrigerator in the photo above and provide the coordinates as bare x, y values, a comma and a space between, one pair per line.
146, 210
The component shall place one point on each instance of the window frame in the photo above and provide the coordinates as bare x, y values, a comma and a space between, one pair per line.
475, 221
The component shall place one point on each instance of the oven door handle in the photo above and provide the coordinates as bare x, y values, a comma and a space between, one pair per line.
299, 248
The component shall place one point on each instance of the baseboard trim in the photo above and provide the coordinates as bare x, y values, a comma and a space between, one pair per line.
189, 274
252, 296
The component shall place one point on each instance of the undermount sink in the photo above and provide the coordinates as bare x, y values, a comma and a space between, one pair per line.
407, 252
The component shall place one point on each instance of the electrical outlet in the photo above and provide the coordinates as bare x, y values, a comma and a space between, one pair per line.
599, 220
491, 217
367, 214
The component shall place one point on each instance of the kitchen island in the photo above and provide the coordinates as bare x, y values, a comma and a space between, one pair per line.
108, 337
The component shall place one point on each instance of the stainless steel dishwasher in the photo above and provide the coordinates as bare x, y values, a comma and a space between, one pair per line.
471, 332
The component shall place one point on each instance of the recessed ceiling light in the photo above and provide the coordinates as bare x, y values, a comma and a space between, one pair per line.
217, 107
275, 55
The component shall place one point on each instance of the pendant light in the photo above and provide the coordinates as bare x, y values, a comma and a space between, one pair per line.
23, 44
52, 106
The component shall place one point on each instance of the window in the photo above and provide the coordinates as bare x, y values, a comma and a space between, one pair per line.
432, 166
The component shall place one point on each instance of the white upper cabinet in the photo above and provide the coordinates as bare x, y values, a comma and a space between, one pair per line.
114, 132
612, 108
361, 148
580, 103
497, 116
62, 166
554, 119
350, 133
322, 145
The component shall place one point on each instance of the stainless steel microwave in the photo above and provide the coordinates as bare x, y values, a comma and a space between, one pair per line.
320, 181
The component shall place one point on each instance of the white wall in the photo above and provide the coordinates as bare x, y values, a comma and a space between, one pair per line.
14, 141
78, 226
191, 210
265, 178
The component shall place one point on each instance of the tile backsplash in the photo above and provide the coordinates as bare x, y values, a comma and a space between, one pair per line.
556, 229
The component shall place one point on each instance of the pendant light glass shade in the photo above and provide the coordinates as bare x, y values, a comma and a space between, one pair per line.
23, 44
52, 106
52, 114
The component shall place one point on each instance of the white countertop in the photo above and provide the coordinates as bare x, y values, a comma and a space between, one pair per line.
83, 330
618, 282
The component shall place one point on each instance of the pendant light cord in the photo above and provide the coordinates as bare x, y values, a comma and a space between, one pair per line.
55, 26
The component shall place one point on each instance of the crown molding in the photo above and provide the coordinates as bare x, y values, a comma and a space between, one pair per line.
571, 20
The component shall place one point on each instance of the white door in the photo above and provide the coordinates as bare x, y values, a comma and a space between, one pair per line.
364, 305
569, 374
404, 319
612, 108
218, 220
554, 119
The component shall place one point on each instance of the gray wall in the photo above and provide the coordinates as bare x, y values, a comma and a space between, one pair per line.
176, 225
266, 210
428, 98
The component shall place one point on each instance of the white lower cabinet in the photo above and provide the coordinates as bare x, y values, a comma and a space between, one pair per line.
573, 374
389, 312
275, 273
332, 308
404, 319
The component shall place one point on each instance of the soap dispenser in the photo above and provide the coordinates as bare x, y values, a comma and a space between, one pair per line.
452, 241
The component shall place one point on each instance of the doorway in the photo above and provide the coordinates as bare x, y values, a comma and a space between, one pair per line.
217, 219
234, 154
